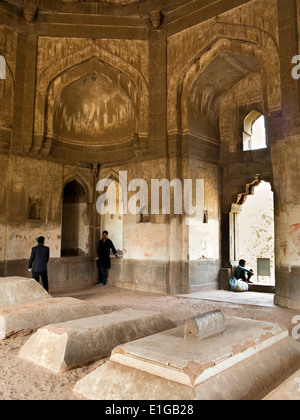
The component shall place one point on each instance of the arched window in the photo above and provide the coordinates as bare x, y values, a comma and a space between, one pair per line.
2, 68
254, 136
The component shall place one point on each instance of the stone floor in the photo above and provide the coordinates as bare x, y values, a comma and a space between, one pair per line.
21, 379
247, 298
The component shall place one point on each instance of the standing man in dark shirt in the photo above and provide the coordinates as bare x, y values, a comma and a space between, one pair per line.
39, 259
103, 260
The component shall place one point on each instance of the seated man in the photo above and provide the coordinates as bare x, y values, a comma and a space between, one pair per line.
242, 273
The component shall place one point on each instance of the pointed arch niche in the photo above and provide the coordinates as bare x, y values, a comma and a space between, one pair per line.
123, 102
75, 220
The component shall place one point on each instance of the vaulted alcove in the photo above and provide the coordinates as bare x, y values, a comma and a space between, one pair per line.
75, 228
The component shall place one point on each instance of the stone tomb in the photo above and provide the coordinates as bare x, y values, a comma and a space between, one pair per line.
25, 305
240, 363
16, 290
289, 390
67, 345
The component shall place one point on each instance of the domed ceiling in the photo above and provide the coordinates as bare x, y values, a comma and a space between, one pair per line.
93, 111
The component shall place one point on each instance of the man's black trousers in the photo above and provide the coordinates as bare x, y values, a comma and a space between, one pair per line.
44, 276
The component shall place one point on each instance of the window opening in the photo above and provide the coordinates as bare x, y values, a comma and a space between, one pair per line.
254, 136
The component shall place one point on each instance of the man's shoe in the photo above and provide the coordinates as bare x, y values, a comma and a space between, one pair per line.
99, 284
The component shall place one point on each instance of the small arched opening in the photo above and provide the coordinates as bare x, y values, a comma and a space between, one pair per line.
254, 135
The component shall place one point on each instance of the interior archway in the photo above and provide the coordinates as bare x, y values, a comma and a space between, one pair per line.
257, 234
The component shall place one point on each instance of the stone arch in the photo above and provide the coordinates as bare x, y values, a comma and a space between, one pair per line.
252, 235
234, 109
238, 200
249, 190
70, 64
112, 174
221, 37
83, 180
74, 75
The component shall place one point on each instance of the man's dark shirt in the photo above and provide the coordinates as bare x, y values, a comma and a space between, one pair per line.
104, 253
39, 258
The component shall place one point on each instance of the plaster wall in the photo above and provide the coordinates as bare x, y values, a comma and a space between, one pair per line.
176, 96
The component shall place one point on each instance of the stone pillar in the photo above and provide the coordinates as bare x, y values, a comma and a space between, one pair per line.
286, 163
24, 92
284, 137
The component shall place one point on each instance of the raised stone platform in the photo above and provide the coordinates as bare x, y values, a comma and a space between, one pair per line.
16, 290
32, 315
241, 363
25, 305
64, 346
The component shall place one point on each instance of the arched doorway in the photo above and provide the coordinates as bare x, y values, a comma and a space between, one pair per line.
75, 228
257, 234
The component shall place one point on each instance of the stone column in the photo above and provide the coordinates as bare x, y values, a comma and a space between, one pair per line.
285, 151
286, 164
24, 92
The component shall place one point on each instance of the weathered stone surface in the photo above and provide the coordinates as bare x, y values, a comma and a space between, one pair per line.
205, 325
288, 391
33, 315
166, 366
61, 347
17, 290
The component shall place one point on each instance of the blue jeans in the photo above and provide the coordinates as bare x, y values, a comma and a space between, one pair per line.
102, 274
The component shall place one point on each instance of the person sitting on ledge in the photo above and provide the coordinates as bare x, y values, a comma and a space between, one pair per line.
242, 273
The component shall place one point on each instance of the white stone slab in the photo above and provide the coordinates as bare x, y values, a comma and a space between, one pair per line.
16, 290
67, 345
33, 315
166, 366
